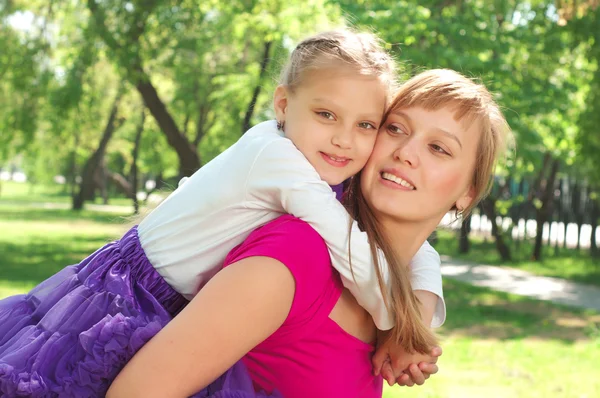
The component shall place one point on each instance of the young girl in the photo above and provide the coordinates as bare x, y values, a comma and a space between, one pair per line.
73, 333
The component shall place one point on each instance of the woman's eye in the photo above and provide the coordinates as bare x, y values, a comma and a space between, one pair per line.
395, 129
439, 149
367, 125
326, 115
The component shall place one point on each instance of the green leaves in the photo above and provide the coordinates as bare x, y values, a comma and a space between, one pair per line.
204, 60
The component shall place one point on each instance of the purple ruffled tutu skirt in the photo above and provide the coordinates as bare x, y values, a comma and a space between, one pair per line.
73, 333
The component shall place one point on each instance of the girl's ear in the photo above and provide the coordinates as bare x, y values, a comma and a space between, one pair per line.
280, 101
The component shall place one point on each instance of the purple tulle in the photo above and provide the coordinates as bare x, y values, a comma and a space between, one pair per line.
73, 333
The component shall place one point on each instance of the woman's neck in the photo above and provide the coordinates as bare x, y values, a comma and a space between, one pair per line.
406, 237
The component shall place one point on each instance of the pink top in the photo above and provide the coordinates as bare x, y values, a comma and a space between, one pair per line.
309, 355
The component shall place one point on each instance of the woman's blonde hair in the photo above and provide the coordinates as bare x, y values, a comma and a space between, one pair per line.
363, 52
473, 103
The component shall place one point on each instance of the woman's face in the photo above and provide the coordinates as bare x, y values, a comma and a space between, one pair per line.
422, 165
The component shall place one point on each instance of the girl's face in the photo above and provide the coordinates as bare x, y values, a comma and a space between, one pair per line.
422, 165
332, 117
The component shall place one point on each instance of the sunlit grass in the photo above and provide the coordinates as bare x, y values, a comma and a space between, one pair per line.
501, 345
32, 250
24, 193
495, 344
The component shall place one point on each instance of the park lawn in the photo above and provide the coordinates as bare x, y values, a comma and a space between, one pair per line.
495, 344
27, 193
502, 345
577, 266
37, 242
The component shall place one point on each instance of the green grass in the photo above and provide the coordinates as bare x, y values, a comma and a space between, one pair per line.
26, 193
571, 264
35, 242
40, 235
501, 345
495, 344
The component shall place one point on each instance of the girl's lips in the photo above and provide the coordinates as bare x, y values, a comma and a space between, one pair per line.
334, 160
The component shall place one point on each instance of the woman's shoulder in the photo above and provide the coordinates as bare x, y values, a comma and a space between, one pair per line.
299, 248
287, 239
288, 225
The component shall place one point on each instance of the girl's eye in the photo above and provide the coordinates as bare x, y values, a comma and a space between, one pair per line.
326, 115
395, 129
367, 125
438, 149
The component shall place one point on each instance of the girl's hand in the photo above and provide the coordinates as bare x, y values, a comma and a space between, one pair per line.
417, 374
405, 369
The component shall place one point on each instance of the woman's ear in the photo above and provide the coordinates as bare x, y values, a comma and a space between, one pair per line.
465, 201
280, 101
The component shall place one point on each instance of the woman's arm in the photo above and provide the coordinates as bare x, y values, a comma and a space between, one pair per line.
235, 311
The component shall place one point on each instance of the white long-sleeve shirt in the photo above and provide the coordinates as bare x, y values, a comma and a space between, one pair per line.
260, 177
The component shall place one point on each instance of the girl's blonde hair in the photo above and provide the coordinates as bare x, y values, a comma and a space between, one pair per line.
472, 103
363, 52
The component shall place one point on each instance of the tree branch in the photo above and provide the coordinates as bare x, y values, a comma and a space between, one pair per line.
263, 70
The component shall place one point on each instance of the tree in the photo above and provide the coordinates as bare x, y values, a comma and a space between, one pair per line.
94, 163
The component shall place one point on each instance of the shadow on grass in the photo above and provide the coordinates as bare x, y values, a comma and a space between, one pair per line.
34, 262
481, 313
20, 213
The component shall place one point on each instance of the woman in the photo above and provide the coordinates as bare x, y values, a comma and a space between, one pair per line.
279, 305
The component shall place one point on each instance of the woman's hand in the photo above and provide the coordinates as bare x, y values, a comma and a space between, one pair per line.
395, 365
414, 373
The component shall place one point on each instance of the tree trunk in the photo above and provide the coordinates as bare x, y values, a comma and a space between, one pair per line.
263, 71
519, 236
543, 213
94, 162
125, 51
556, 242
189, 160
158, 185
134, 168
488, 206
578, 211
465, 229
120, 182
537, 184
594, 222
72, 168
102, 182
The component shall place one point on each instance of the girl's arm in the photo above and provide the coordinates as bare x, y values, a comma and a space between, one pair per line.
282, 180
393, 362
237, 309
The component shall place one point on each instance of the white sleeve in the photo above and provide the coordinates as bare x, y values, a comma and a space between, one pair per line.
426, 274
281, 179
